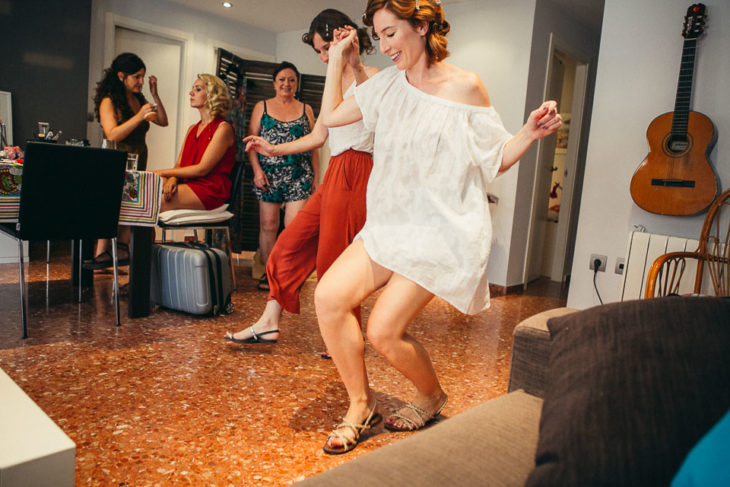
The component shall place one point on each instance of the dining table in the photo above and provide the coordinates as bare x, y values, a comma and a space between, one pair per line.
140, 209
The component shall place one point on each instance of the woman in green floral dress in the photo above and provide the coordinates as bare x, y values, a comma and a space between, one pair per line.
283, 179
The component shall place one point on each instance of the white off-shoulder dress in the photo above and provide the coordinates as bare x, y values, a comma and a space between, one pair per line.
427, 212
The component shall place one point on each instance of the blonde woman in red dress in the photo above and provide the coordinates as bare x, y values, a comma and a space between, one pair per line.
201, 179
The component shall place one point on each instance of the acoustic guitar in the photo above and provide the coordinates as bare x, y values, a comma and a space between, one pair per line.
676, 177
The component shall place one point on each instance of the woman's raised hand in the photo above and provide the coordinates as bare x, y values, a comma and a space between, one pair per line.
343, 44
353, 54
153, 85
544, 120
259, 144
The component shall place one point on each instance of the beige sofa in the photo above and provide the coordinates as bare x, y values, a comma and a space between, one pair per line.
614, 395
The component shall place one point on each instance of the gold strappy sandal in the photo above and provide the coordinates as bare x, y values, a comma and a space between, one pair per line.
349, 444
422, 417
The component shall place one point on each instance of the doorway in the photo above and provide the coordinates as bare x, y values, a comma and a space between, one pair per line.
163, 58
553, 217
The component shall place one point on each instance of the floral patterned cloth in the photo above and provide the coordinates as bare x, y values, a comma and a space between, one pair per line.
290, 177
11, 175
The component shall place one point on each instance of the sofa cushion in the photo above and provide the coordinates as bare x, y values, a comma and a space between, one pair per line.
631, 388
187, 216
490, 444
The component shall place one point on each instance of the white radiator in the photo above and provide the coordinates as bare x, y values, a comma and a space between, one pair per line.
641, 252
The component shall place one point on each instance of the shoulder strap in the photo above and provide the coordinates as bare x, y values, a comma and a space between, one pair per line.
265, 107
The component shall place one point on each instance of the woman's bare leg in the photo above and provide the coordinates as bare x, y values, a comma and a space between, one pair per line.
291, 209
351, 278
183, 198
268, 226
398, 304
123, 236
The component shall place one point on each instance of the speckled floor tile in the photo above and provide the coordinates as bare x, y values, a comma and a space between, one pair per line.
165, 400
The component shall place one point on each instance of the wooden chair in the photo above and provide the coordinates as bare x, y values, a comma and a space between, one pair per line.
712, 259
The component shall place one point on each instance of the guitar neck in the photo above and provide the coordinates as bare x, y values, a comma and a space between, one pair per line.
684, 90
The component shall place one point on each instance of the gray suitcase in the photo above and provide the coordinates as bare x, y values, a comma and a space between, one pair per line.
191, 277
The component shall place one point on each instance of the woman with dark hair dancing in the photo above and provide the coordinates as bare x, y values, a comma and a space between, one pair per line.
437, 144
125, 116
336, 212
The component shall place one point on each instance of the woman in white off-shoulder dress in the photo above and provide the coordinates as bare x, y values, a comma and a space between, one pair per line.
438, 142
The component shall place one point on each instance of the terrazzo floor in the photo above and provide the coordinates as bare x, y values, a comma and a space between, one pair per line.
164, 400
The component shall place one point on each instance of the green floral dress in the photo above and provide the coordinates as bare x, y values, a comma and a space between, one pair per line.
290, 177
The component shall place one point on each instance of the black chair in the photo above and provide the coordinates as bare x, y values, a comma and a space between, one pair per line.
203, 223
69, 193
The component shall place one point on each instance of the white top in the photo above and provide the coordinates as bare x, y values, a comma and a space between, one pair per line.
352, 136
427, 212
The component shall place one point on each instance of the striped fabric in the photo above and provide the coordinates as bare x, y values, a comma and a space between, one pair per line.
11, 174
141, 196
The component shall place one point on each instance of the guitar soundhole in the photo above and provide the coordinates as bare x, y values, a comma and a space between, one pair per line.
674, 146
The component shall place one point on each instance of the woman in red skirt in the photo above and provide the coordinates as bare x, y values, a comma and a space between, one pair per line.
336, 211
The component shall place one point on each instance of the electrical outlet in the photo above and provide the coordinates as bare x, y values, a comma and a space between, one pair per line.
602, 258
620, 264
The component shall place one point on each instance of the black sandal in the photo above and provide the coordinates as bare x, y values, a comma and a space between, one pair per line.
263, 284
105, 260
254, 338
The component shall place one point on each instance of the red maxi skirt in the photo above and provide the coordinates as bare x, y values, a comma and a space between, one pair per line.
322, 229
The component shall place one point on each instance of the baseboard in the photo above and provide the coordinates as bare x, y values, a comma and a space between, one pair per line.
495, 290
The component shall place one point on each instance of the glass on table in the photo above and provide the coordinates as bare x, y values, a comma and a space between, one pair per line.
108, 144
43, 129
132, 161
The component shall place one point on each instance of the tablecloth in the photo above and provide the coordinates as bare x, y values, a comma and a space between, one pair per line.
141, 196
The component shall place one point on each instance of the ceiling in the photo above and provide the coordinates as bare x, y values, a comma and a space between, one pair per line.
292, 15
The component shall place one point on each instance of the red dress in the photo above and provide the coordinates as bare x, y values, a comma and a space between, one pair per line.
214, 189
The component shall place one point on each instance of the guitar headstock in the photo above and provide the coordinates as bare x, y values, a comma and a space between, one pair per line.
694, 21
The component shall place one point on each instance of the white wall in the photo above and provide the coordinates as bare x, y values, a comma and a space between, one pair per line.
637, 77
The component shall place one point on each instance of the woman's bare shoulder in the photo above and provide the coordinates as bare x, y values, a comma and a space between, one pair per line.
468, 87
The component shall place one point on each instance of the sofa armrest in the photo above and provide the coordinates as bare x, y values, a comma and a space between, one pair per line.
531, 352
